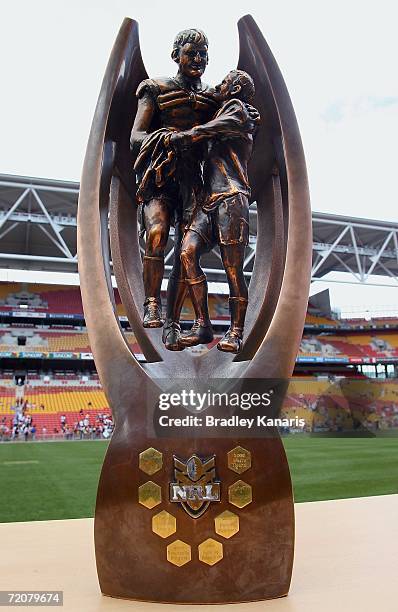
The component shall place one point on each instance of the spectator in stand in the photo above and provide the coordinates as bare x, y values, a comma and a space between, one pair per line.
4, 431
108, 427
63, 422
81, 428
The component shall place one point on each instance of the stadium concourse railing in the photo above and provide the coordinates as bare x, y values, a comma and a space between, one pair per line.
317, 346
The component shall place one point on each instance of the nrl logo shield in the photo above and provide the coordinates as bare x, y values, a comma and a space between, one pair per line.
195, 485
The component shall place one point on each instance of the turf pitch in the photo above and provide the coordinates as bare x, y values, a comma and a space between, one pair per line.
58, 480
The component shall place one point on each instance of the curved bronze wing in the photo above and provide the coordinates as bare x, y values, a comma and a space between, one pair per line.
106, 149
281, 277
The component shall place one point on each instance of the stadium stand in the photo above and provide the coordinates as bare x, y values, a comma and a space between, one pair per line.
361, 346
44, 344
54, 299
351, 347
343, 404
61, 406
57, 299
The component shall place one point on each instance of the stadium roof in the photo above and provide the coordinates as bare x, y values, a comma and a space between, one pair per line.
38, 223
38, 232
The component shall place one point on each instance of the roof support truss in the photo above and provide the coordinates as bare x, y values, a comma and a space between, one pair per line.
360, 247
18, 215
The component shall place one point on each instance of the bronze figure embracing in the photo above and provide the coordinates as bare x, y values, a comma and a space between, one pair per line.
222, 217
169, 185
192, 173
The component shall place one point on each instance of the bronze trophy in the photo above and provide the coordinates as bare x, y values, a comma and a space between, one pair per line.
190, 518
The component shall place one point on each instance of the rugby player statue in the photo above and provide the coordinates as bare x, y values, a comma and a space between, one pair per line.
207, 210
222, 217
186, 516
169, 185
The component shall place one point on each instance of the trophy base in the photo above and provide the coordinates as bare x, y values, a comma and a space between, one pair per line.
236, 545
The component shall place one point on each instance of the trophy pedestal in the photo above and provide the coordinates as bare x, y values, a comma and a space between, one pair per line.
149, 548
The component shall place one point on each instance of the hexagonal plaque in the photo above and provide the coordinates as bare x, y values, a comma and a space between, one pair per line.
150, 461
226, 524
178, 553
239, 459
240, 494
210, 551
164, 524
149, 494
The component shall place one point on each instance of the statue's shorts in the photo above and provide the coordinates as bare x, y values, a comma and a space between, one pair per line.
166, 203
228, 224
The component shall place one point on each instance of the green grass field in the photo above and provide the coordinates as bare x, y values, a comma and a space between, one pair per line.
58, 480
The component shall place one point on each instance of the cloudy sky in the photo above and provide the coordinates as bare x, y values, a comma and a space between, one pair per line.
338, 59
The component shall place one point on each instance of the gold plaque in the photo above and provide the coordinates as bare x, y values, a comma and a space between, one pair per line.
178, 553
240, 494
227, 524
151, 461
149, 494
239, 460
210, 551
164, 524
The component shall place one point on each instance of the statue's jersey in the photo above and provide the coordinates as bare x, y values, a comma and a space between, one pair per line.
230, 141
178, 108
179, 181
